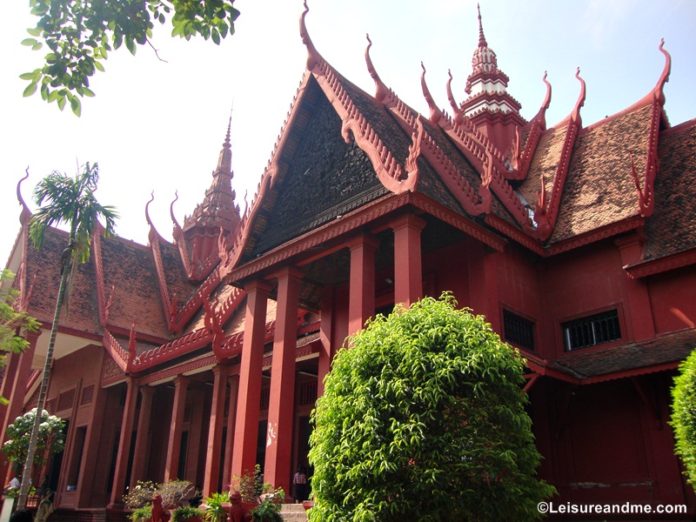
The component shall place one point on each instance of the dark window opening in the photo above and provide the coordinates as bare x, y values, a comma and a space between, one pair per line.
591, 330
518, 330
76, 459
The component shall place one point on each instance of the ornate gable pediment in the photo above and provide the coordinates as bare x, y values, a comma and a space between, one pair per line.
324, 177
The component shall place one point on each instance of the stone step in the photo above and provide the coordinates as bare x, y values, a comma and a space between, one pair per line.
293, 513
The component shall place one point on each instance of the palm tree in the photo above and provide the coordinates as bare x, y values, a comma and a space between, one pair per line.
70, 201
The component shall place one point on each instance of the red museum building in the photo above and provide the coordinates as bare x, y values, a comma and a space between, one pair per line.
199, 358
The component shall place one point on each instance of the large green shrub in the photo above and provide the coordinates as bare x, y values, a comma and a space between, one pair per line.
423, 418
684, 416
51, 437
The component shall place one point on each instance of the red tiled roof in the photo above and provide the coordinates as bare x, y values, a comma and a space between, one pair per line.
544, 161
599, 189
672, 227
43, 275
669, 348
128, 266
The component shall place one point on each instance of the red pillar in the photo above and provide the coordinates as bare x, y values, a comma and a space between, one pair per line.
124, 442
229, 436
326, 328
361, 298
17, 391
408, 271
639, 309
142, 435
8, 380
214, 446
251, 364
174, 443
278, 464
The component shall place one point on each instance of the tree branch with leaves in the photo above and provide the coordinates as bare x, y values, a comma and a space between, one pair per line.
79, 34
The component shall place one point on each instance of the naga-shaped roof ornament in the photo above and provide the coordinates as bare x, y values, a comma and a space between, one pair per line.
435, 112
547, 99
458, 117
313, 56
382, 90
575, 116
153, 229
664, 77
26, 214
177, 226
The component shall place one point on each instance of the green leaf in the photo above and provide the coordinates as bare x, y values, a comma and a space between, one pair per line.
27, 76
30, 89
75, 105
61, 102
35, 31
29, 42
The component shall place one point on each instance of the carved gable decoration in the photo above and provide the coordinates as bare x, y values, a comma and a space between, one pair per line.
325, 177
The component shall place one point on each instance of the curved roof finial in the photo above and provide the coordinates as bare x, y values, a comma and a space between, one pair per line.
382, 90
547, 99
452, 101
171, 210
664, 77
581, 98
25, 215
435, 113
313, 58
147, 209
482, 38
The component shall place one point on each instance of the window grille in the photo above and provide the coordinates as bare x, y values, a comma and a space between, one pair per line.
591, 330
518, 330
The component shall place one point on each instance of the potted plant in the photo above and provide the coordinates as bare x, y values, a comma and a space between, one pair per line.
267, 511
215, 507
141, 514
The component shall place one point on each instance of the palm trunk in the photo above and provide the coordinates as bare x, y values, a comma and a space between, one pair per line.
46, 377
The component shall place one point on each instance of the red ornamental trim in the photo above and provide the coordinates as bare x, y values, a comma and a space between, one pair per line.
185, 313
593, 236
663, 264
165, 297
117, 353
180, 369
301, 244
515, 234
192, 341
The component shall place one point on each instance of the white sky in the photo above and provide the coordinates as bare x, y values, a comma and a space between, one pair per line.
155, 125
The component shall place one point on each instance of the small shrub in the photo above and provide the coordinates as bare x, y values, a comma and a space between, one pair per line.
684, 416
183, 513
176, 493
249, 485
269, 509
215, 512
140, 495
142, 514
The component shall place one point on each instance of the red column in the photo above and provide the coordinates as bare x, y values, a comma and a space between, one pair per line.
8, 380
639, 309
408, 272
174, 443
142, 435
214, 446
229, 436
251, 364
17, 390
361, 298
124, 443
278, 464
326, 337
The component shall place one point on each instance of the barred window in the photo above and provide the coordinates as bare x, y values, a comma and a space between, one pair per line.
518, 330
591, 330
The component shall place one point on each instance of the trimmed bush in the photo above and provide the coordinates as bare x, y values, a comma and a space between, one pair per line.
423, 418
684, 416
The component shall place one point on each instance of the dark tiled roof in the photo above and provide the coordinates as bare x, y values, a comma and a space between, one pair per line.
599, 189
672, 227
664, 349
180, 289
